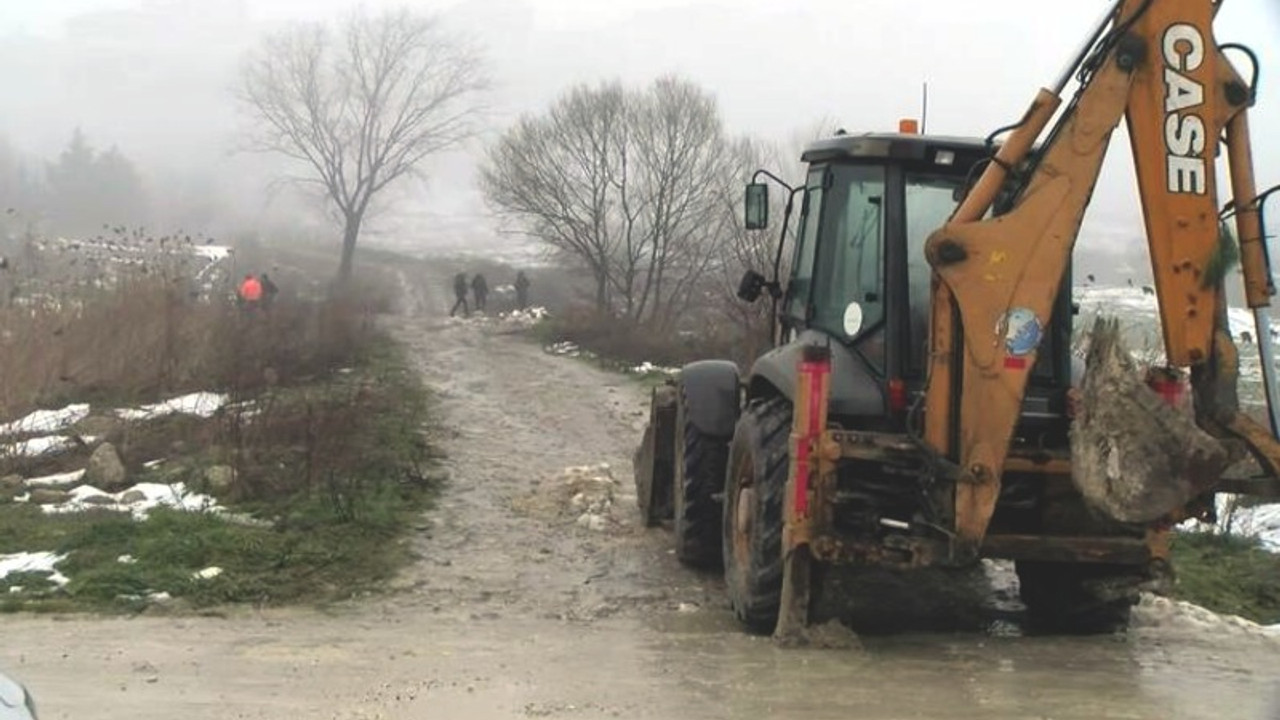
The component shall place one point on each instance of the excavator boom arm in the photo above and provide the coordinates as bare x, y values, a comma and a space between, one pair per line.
996, 279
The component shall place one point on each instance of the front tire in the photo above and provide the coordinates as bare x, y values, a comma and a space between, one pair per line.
753, 500
700, 461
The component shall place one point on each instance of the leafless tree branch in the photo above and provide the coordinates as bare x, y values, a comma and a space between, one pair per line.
362, 105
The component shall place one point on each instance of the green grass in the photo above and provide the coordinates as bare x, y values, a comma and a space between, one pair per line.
1228, 574
337, 537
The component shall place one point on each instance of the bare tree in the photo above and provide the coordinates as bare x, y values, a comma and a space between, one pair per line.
362, 106
741, 249
680, 141
626, 184
563, 178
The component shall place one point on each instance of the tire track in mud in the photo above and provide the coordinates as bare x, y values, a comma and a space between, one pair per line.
504, 538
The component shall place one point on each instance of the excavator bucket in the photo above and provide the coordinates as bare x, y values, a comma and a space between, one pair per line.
1137, 453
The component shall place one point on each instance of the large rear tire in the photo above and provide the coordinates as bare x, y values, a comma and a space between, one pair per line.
700, 461
754, 486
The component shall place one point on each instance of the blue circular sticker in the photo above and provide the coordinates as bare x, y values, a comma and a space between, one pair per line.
1022, 331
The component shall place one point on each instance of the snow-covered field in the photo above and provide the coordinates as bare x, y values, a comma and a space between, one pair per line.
1139, 315
99, 262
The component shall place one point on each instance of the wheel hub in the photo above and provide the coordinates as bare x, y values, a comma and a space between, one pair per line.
742, 525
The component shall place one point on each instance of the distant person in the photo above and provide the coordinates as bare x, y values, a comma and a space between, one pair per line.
522, 290
460, 292
481, 290
269, 291
250, 292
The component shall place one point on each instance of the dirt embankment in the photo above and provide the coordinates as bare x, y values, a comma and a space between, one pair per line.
520, 608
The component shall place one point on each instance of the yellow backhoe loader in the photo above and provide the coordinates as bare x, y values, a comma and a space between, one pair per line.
916, 409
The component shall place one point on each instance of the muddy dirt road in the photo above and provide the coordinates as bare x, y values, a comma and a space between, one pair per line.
517, 611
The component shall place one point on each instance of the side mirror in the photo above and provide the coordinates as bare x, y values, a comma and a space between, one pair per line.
751, 286
757, 206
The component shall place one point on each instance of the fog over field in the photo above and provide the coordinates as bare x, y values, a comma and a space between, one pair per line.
154, 78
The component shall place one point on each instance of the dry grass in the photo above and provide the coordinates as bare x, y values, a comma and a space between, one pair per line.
324, 435
629, 344
146, 338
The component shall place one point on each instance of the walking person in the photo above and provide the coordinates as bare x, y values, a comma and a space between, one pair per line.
269, 292
481, 290
522, 290
460, 292
250, 292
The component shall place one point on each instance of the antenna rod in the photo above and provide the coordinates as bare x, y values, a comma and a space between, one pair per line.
924, 111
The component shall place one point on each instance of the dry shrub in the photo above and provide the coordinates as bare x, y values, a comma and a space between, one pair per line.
147, 337
346, 439
630, 343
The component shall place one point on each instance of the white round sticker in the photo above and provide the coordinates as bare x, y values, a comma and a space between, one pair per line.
852, 319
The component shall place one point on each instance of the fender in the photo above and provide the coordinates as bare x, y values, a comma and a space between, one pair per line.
854, 390
711, 397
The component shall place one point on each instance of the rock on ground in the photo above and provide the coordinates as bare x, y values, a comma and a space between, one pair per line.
10, 487
220, 479
105, 470
48, 496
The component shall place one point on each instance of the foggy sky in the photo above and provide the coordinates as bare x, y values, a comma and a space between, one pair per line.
153, 75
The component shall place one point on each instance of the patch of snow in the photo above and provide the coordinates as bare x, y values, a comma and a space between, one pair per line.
590, 491
1139, 315
569, 349
524, 318
59, 480
1261, 522
1162, 612
200, 404
513, 319
47, 421
208, 573
41, 562
153, 495
212, 252
648, 368
42, 446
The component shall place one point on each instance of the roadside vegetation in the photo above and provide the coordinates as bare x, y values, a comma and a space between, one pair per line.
1228, 573
294, 482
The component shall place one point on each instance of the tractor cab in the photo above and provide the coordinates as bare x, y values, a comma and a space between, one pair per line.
859, 281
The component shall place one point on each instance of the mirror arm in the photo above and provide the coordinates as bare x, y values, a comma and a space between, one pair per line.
782, 234
771, 176
774, 286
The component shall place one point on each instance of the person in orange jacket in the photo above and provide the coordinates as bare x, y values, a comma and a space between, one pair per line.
250, 291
